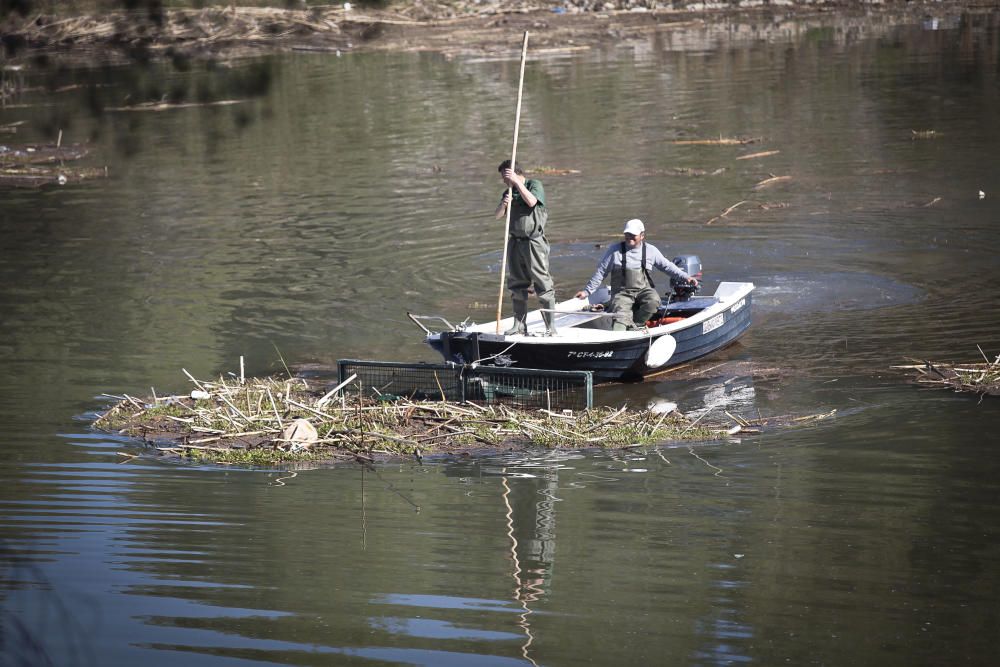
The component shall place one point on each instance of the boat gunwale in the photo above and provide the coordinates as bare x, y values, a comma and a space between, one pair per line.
737, 291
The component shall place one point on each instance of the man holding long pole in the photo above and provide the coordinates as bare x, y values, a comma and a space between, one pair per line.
527, 247
523, 206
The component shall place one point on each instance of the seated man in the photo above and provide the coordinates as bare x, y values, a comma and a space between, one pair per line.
634, 298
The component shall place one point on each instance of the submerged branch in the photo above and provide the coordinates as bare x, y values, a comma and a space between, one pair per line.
979, 378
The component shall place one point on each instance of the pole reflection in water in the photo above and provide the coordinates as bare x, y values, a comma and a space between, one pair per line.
534, 520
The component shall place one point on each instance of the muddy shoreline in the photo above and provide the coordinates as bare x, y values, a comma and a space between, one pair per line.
482, 29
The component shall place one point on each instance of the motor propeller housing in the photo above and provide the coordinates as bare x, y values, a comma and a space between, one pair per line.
681, 290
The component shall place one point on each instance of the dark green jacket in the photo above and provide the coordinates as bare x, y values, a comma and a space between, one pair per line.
528, 222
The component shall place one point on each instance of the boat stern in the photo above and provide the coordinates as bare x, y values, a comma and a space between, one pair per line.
461, 347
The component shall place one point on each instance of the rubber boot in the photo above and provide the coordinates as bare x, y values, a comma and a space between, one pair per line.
520, 318
548, 303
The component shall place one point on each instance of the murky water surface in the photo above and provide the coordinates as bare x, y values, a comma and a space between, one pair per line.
347, 190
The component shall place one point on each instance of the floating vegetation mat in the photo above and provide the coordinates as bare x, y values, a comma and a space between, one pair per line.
979, 378
34, 165
33, 177
272, 420
41, 154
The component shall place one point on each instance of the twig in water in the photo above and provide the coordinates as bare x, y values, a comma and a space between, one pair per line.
757, 155
771, 181
721, 141
279, 481
326, 398
134, 402
728, 211
196, 383
282, 359
718, 470
656, 428
440, 388
691, 425
987, 359
738, 420
705, 370
233, 406
607, 421
392, 488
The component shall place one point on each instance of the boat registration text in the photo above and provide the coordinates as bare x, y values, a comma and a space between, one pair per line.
600, 354
713, 323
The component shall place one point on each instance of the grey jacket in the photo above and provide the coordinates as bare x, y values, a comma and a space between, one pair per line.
612, 261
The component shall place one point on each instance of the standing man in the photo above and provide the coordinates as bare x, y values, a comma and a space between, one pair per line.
527, 247
634, 298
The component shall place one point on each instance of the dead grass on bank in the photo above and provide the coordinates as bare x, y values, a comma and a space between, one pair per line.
272, 420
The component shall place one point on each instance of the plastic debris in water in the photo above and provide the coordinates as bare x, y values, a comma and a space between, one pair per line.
982, 195
300, 434
659, 406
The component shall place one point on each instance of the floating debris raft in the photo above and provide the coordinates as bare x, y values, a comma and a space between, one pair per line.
169, 106
552, 171
41, 154
33, 177
979, 378
265, 421
721, 141
11, 128
34, 165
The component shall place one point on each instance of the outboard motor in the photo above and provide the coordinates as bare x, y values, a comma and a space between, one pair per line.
682, 291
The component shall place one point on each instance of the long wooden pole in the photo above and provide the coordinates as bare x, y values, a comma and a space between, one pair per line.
510, 189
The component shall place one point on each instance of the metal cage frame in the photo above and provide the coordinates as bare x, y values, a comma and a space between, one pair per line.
530, 388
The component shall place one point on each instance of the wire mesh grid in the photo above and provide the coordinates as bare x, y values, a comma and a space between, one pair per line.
523, 388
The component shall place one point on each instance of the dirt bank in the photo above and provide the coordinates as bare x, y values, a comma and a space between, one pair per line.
453, 28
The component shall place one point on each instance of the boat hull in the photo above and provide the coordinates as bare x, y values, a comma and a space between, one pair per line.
622, 358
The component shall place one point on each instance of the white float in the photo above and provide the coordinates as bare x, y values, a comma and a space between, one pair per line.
661, 350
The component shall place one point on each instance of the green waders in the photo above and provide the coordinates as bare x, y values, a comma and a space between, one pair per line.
634, 298
528, 266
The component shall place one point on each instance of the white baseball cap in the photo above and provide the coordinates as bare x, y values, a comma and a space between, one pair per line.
634, 227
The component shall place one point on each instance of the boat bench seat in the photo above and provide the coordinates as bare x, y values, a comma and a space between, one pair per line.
576, 319
564, 320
